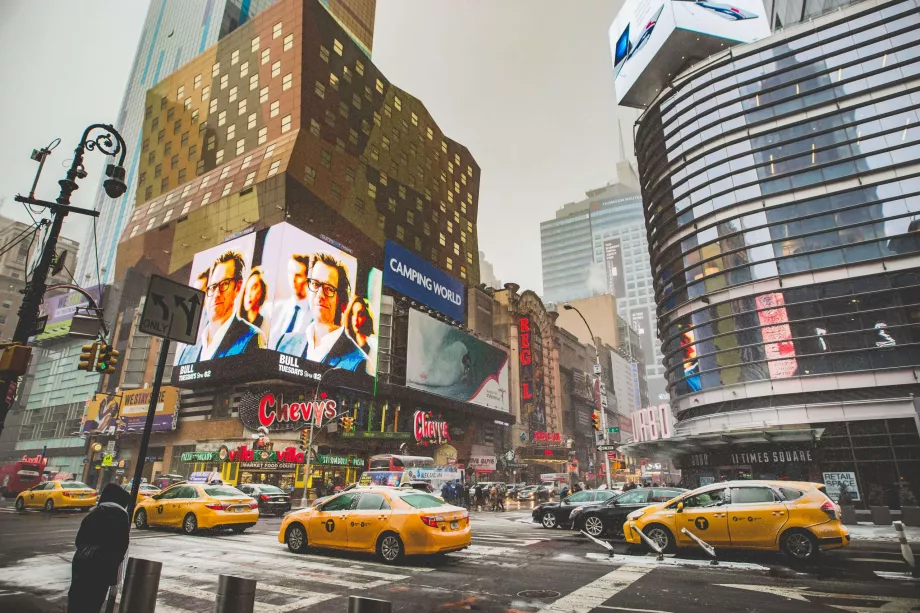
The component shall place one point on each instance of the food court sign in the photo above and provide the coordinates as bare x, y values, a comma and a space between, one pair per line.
428, 430
243, 454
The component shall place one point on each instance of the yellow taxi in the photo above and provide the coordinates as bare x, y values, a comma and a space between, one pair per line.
794, 517
391, 522
52, 495
145, 491
197, 506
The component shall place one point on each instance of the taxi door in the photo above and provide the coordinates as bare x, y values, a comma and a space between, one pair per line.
181, 505
755, 516
328, 525
36, 496
161, 512
705, 515
368, 520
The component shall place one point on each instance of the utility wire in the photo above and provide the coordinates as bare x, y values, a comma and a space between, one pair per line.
17, 239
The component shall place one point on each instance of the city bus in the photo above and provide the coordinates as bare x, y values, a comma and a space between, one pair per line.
389, 462
17, 477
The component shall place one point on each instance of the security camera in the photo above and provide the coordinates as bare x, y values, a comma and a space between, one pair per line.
115, 185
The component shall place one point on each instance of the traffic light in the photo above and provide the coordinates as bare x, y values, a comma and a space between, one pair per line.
596, 420
304, 438
107, 359
348, 424
88, 357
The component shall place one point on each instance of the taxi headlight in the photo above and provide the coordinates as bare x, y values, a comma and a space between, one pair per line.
635, 515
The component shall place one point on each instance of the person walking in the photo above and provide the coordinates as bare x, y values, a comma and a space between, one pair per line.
480, 498
102, 542
502, 492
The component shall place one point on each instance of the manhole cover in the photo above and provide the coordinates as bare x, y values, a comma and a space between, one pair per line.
538, 594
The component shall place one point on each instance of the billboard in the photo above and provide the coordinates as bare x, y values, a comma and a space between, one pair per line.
652, 40
412, 276
777, 335
443, 360
613, 258
691, 362
61, 309
127, 412
281, 298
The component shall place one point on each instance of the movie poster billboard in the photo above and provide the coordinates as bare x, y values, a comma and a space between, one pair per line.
443, 360
283, 291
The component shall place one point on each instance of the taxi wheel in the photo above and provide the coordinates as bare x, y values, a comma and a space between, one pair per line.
661, 536
49, 505
20, 504
296, 538
390, 548
548, 520
190, 524
594, 525
238, 529
799, 545
140, 520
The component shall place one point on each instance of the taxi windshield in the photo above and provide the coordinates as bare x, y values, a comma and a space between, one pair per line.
221, 490
422, 501
74, 485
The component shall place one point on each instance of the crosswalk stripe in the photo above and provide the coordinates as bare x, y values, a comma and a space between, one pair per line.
193, 592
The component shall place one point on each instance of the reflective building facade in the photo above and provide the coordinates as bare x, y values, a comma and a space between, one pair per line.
782, 188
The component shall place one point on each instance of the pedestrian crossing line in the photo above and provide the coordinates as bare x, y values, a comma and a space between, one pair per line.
262, 607
480, 551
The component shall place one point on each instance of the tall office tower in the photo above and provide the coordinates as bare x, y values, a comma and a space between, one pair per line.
782, 186
598, 246
176, 31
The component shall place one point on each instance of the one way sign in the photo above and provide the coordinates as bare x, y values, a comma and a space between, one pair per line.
172, 310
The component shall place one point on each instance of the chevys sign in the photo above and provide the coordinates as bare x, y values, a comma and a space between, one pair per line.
429, 430
269, 410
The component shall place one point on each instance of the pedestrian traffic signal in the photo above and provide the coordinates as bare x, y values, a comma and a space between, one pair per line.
88, 357
596, 420
107, 359
304, 438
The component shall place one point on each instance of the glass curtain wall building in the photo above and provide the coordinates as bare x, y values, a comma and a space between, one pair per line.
783, 187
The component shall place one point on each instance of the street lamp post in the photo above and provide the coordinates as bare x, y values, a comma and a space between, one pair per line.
109, 142
597, 367
306, 476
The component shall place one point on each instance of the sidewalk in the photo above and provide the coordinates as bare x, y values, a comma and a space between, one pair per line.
866, 531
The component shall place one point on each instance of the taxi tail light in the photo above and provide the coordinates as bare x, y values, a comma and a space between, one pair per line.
265, 497
254, 504
67, 494
215, 506
830, 508
431, 520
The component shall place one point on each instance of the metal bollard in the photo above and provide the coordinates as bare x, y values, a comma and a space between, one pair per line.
142, 581
650, 543
906, 551
359, 604
704, 546
235, 595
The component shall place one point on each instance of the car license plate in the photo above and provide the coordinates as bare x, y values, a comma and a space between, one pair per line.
239, 509
454, 525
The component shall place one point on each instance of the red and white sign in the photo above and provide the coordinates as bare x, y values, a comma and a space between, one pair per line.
651, 423
483, 463
429, 430
273, 410
547, 437
34, 460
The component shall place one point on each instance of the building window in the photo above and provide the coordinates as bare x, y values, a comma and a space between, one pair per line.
320, 90
285, 123
251, 121
224, 81
188, 103
309, 174
215, 69
266, 56
450, 264
352, 136
240, 146
379, 86
246, 162
371, 191
224, 173
174, 162
410, 218
219, 158
397, 103
400, 232
337, 46
275, 108
233, 92
221, 118
206, 198
350, 174
314, 127
227, 188
274, 167
323, 53
442, 239
263, 135
255, 44
375, 153
359, 67
463, 272
430, 133
181, 175
164, 185
253, 81
456, 249
276, 30
326, 158
158, 170
212, 140
276, 69
376, 118
414, 119
263, 95
231, 132
359, 204
346, 74
288, 42
391, 204
286, 82
336, 192
148, 193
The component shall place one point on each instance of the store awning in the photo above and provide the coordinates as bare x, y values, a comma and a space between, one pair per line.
682, 445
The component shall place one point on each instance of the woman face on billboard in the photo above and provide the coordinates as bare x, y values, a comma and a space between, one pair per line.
359, 323
254, 294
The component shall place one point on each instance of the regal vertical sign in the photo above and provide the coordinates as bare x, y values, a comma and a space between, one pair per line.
530, 355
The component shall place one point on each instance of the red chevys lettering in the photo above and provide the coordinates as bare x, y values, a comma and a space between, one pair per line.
429, 430
273, 410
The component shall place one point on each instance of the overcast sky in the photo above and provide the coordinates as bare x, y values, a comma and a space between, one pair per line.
526, 85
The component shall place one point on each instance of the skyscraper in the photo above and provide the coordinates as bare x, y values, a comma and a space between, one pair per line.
176, 31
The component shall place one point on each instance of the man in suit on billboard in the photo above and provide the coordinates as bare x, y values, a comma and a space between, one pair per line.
324, 340
294, 314
225, 334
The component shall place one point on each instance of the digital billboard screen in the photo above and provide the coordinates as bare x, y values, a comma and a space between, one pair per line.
412, 276
282, 297
441, 359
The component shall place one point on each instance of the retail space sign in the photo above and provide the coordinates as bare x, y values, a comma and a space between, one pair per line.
483, 463
444, 360
651, 423
428, 430
269, 410
836, 482
412, 276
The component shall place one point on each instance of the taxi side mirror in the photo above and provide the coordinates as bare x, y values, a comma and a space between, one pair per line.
680, 507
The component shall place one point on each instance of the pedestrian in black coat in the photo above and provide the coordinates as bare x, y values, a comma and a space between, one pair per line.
102, 542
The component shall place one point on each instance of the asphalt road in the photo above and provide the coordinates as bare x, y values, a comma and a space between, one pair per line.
512, 567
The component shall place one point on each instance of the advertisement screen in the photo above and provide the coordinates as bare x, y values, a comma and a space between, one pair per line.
691, 362
777, 335
412, 276
613, 259
443, 360
127, 412
283, 291
643, 46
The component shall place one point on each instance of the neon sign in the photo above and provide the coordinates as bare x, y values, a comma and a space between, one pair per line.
274, 410
429, 430
548, 437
